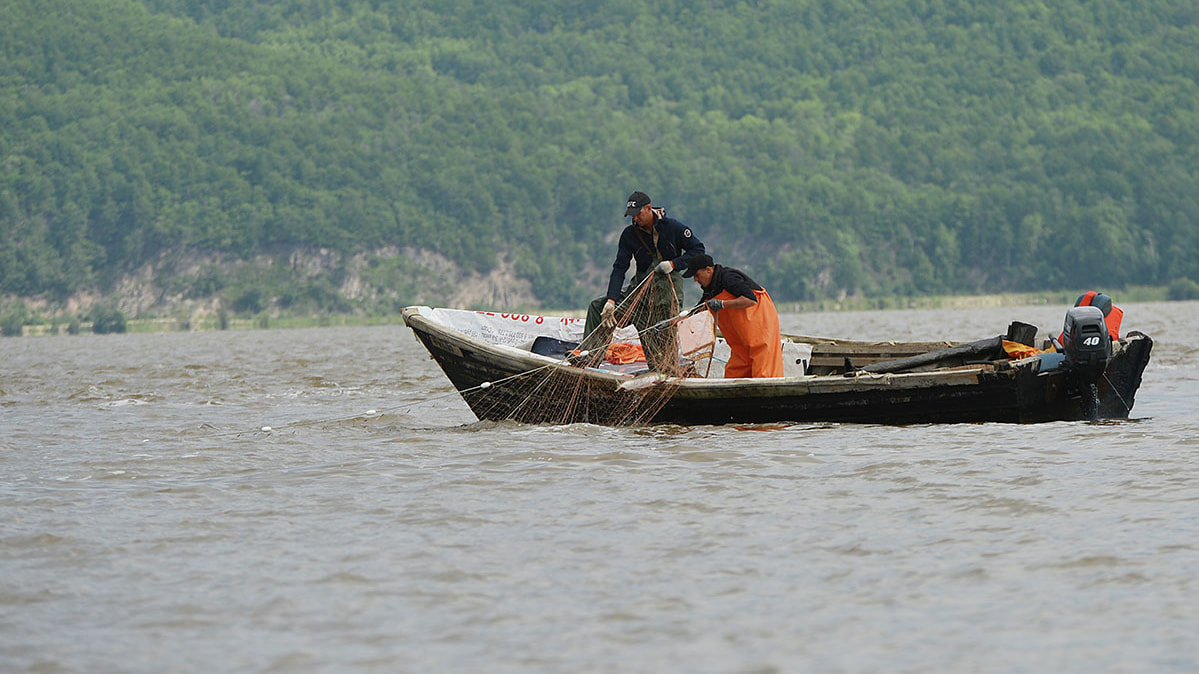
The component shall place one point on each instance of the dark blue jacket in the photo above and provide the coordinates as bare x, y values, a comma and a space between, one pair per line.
676, 242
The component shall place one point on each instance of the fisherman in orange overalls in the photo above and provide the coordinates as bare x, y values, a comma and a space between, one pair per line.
746, 317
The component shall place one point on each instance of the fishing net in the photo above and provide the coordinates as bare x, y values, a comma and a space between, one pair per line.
621, 374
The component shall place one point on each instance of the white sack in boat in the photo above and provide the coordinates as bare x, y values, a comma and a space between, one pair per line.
517, 329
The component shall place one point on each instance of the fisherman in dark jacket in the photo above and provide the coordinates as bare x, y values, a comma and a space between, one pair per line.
661, 246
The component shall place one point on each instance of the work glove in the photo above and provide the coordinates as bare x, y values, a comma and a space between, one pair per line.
715, 305
608, 310
665, 267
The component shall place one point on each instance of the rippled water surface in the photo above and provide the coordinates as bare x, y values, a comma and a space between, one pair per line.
148, 524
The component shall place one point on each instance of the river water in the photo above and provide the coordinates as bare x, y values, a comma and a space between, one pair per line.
148, 524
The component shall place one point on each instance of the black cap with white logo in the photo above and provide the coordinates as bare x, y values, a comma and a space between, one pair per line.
637, 200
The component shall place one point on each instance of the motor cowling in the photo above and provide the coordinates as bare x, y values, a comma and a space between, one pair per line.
1086, 342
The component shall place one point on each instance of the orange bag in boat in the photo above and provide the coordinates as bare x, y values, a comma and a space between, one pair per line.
1016, 350
623, 354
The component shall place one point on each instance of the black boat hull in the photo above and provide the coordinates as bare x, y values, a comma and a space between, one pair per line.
501, 384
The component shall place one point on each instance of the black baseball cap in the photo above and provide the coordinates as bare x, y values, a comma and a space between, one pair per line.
698, 262
637, 200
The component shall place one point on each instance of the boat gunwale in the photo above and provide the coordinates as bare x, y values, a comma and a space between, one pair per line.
964, 375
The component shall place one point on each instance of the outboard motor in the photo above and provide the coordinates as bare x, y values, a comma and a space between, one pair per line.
1088, 348
1086, 342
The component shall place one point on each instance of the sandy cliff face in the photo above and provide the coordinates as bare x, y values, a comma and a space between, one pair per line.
180, 284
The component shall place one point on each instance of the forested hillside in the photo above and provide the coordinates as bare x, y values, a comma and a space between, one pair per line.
828, 147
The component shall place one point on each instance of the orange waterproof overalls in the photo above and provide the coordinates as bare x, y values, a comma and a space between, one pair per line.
753, 336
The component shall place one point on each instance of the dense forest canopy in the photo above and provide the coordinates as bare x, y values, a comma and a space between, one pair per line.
828, 147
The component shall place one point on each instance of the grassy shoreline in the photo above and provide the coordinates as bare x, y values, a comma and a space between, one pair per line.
263, 321
1044, 297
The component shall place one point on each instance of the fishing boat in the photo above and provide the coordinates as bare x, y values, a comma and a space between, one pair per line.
526, 368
